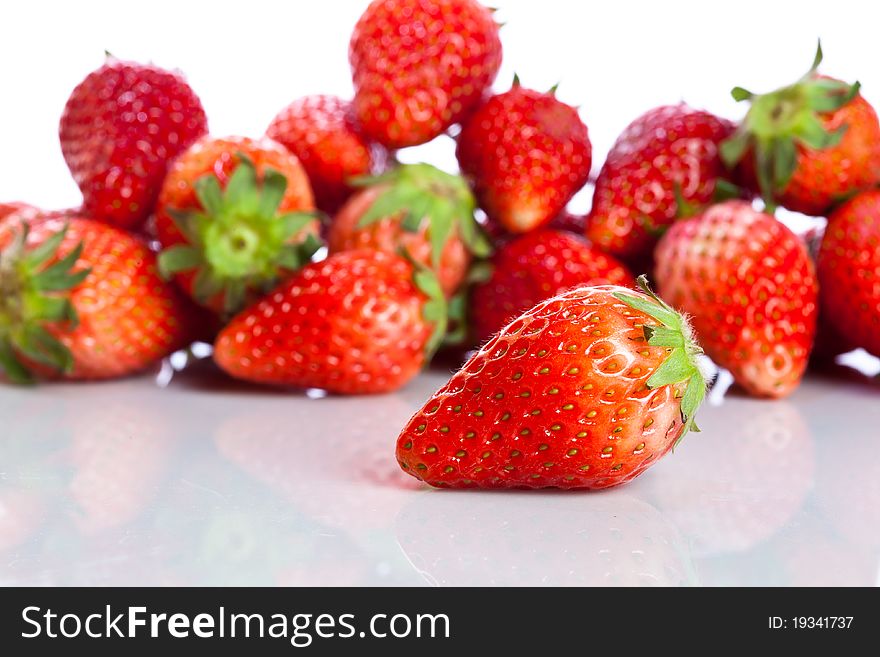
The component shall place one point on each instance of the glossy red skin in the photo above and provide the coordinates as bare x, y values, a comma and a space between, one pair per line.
534, 267
220, 157
121, 126
849, 270
634, 199
320, 131
750, 288
823, 178
387, 235
351, 324
129, 318
420, 66
504, 421
526, 154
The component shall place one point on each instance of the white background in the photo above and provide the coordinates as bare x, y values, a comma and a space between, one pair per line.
246, 60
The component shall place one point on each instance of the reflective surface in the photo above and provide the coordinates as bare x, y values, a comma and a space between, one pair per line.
207, 482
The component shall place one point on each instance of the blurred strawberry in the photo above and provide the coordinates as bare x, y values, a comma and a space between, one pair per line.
320, 131
121, 126
235, 217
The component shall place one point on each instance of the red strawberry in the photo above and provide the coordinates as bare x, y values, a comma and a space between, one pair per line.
419, 66
86, 302
527, 154
750, 287
534, 267
7, 209
120, 128
418, 208
356, 323
663, 165
807, 145
585, 390
849, 270
235, 217
320, 131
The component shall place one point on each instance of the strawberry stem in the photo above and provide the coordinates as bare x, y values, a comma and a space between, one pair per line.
239, 241
681, 364
34, 293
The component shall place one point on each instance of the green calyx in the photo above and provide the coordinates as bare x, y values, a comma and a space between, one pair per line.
421, 192
239, 242
780, 121
436, 310
34, 293
680, 366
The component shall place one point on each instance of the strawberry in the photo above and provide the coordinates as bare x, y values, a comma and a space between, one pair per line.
526, 154
84, 300
808, 145
235, 217
749, 285
120, 128
420, 66
14, 207
849, 271
420, 209
534, 267
359, 322
585, 390
664, 164
320, 131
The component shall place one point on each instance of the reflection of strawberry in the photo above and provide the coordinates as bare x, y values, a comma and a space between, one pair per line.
21, 513
551, 540
119, 454
733, 499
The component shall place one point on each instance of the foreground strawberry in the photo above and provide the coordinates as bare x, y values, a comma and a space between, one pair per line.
419, 67
849, 271
534, 267
665, 164
808, 145
82, 300
527, 154
417, 209
749, 285
235, 216
358, 322
120, 128
585, 390
320, 131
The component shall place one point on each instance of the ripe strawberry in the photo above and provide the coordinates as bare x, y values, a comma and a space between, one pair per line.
663, 165
849, 270
418, 208
750, 287
807, 145
526, 154
120, 128
585, 390
84, 300
534, 267
235, 217
359, 322
419, 66
320, 131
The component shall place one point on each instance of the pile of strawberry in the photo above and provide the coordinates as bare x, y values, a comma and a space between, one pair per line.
585, 376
